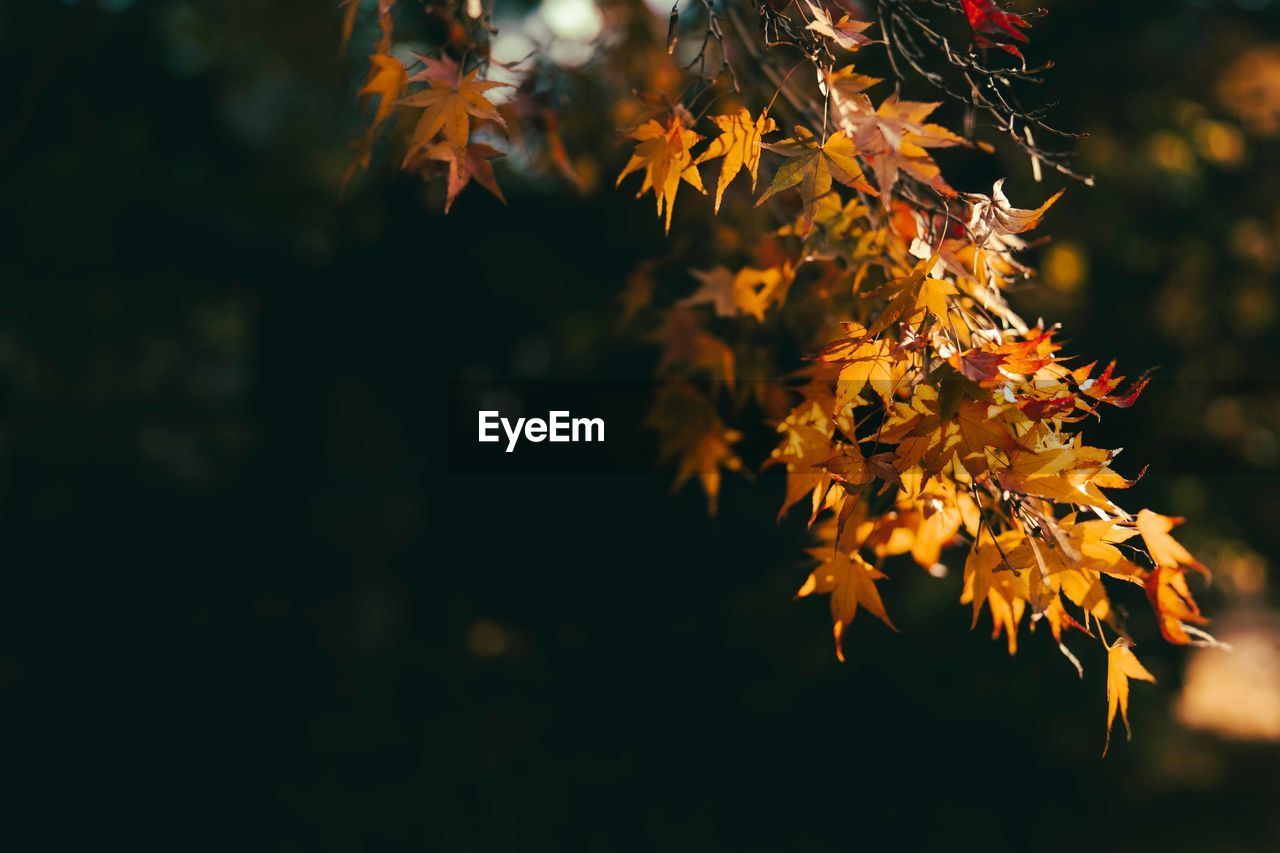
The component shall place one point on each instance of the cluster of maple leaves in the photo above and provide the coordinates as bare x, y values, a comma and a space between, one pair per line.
931, 416
453, 108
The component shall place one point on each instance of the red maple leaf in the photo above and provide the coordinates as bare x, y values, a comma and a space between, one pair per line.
988, 19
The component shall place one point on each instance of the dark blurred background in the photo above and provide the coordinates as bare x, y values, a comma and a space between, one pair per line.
246, 601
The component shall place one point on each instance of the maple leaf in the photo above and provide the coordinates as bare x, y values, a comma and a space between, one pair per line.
685, 343
977, 365
1167, 587
1029, 355
893, 138
804, 450
691, 431
870, 365
1004, 593
1122, 665
846, 33
864, 361
1174, 606
557, 152
442, 70
933, 510
980, 428
461, 170
988, 19
705, 457
351, 10
638, 293
1042, 408
813, 166
1095, 542
739, 145
844, 83
993, 219
919, 292
717, 290
448, 108
1078, 487
1070, 560
850, 581
1166, 552
933, 430
387, 80
663, 153
1100, 387
849, 466
749, 290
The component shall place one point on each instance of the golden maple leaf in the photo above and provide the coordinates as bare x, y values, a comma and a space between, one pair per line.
1121, 666
387, 80
850, 581
739, 144
691, 432
804, 450
922, 293
749, 290
813, 166
1166, 552
1003, 592
664, 154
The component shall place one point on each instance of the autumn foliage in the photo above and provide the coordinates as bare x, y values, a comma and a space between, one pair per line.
929, 417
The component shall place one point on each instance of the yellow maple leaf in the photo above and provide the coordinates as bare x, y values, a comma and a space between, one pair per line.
918, 294
705, 457
749, 290
813, 166
1165, 551
691, 432
1121, 666
804, 450
864, 362
871, 364
850, 581
845, 82
664, 154
1004, 592
739, 145
387, 79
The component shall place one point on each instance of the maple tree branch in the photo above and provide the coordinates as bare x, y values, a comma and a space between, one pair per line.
989, 89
